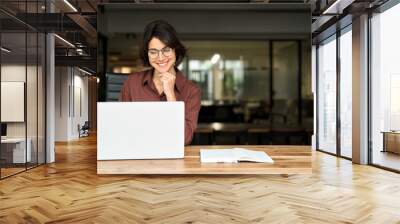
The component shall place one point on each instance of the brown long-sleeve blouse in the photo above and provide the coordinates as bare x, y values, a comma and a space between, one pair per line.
140, 87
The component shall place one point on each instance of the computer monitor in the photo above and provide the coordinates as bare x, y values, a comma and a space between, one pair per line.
3, 129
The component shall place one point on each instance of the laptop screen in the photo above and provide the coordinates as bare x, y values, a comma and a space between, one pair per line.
137, 130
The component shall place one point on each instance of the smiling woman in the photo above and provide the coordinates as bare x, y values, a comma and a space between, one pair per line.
163, 52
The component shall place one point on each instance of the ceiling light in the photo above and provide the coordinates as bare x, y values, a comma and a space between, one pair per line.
65, 41
215, 58
337, 7
5, 49
70, 5
328, 10
84, 71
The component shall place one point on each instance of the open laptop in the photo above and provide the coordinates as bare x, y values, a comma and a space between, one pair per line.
140, 130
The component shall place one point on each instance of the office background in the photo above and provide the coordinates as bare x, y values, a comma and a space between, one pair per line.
57, 55
252, 70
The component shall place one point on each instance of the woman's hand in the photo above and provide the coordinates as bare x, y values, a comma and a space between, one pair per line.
168, 82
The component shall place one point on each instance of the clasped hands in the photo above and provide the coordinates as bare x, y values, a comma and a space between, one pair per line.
168, 84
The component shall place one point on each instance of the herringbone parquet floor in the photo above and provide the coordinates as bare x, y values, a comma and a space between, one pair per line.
69, 191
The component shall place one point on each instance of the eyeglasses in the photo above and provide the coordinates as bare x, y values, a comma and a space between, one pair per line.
166, 51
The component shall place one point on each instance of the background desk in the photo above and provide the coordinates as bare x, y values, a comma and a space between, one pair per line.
218, 133
13, 150
391, 141
287, 160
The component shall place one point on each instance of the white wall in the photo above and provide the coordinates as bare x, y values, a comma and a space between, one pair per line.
33, 126
16, 73
80, 104
61, 103
71, 102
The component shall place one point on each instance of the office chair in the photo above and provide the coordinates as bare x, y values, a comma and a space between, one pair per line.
84, 130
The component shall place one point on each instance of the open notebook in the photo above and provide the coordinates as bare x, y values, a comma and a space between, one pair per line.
233, 155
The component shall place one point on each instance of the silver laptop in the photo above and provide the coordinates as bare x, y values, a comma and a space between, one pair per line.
140, 130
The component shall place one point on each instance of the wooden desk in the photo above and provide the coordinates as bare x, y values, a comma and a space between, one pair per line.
391, 141
287, 160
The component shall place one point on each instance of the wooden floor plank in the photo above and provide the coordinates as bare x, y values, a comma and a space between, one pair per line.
70, 191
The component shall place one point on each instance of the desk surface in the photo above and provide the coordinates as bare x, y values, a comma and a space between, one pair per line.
13, 140
390, 132
287, 160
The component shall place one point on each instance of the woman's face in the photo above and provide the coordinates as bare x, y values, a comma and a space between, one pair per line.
161, 57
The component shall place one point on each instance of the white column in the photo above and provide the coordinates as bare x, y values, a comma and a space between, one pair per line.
360, 90
50, 110
50, 92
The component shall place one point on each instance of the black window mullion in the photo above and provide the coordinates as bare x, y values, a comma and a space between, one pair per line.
271, 78
45, 90
0, 97
338, 124
369, 91
316, 97
37, 92
26, 88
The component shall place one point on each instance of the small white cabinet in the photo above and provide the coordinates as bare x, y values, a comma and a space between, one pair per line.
16, 147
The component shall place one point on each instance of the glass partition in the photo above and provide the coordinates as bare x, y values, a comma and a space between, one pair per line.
243, 80
327, 95
22, 88
346, 92
41, 96
31, 99
286, 81
14, 153
230, 71
385, 89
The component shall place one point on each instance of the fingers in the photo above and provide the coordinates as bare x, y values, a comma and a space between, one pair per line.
168, 81
167, 77
167, 74
164, 79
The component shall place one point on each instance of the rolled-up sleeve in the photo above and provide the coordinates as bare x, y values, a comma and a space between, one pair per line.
192, 108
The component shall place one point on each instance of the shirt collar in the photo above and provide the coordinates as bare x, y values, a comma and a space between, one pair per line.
179, 80
147, 77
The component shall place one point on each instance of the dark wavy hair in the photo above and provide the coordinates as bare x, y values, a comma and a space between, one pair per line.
166, 33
